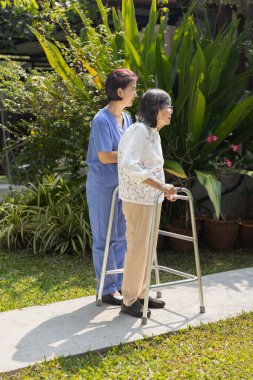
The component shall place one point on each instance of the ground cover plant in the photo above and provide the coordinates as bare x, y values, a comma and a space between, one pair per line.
222, 350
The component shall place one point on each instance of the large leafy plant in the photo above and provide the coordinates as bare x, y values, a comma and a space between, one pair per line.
210, 99
200, 73
208, 94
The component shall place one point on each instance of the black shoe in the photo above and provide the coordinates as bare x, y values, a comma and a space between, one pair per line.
111, 299
136, 309
153, 303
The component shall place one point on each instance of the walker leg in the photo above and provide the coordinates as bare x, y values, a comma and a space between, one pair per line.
107, 244
158, 294
196, 253
151, 249
157, 276
144, 320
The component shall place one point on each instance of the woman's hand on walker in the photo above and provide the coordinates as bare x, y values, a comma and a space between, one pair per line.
169, 192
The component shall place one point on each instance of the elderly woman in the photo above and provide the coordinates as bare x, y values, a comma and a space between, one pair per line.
141, 177
107, 127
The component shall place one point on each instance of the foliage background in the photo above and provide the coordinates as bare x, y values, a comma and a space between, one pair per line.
55, 108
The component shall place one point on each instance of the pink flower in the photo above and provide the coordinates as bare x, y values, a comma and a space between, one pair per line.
235, 148
228, 163
211, 138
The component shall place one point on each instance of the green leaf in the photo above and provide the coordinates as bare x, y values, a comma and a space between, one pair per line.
103, 13
174, 168
148, 41
197, 115
242, 171
197, 74
56, 60
116, 20
180, 30
226, 91
133, 55
213, 187
130, 24
31, 5
184, 61
89, 31
232, 120
119, 40
217, 62
163, 66
104, 16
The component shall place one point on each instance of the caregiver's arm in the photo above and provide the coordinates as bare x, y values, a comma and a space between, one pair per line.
108, 157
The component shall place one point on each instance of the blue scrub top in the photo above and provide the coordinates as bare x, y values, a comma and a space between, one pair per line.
104, 137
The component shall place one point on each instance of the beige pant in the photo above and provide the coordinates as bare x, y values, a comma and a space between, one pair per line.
138, 222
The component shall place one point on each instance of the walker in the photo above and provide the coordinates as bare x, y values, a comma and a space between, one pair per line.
152, 263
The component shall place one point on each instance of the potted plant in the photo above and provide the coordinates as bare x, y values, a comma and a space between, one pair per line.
221, 234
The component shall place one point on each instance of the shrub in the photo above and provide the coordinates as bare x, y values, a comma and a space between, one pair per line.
47, 217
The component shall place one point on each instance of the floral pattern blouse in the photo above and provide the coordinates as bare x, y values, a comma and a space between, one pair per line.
140, 157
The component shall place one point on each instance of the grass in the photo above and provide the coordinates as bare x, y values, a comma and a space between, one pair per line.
222, 350
27, 280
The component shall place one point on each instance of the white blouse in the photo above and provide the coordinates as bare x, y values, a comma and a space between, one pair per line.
140, 157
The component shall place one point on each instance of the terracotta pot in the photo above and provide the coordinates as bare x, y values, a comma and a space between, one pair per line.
179, 244
246, 233
221, 234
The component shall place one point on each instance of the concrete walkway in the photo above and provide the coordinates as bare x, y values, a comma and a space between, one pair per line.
77, 326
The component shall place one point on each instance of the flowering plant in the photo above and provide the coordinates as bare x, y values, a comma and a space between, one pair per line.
222, 156
228, 156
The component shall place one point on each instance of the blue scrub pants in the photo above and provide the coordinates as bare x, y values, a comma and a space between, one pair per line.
99, 204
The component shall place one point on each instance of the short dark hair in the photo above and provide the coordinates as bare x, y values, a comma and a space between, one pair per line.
118, 78
151, 102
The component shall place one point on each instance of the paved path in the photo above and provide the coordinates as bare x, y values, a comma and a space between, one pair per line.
77, 326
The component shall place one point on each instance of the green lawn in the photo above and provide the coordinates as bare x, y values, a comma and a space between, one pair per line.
222, 350
26, 279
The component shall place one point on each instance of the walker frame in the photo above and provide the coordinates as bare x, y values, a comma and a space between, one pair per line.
152, 262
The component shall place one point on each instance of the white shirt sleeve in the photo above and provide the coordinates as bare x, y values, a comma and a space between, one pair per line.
132, 146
